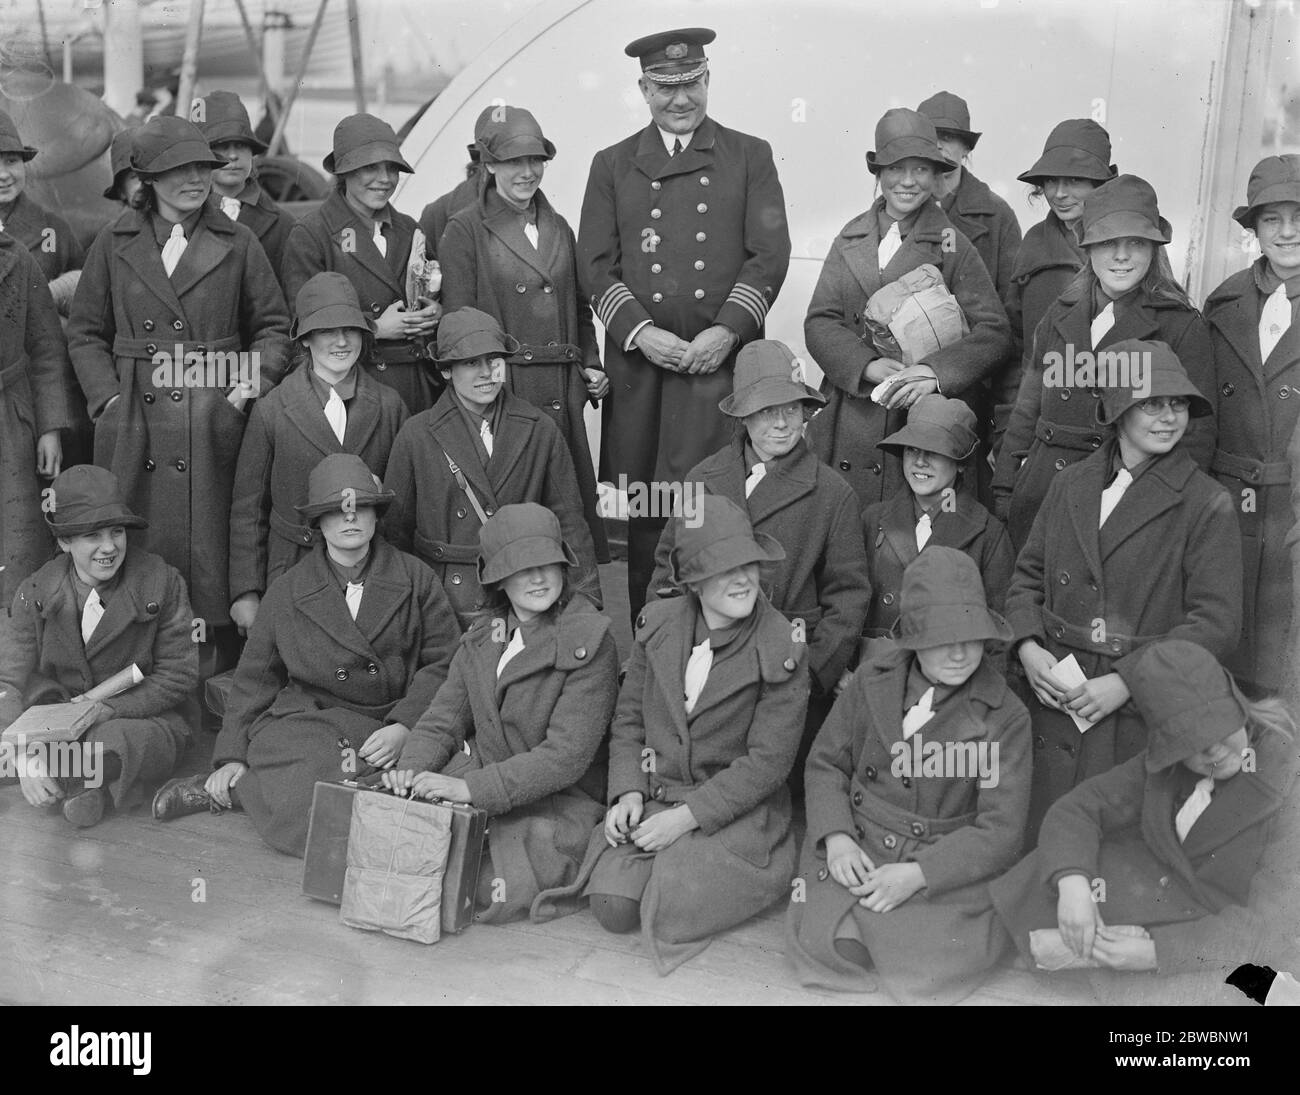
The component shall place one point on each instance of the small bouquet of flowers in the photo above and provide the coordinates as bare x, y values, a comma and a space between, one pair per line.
423, 275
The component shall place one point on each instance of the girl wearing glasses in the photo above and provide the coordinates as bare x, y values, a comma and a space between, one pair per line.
1132, 544
1125, 290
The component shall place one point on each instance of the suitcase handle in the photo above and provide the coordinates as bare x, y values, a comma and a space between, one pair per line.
374, 782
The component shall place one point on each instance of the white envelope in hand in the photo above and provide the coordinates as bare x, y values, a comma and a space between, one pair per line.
1068, 675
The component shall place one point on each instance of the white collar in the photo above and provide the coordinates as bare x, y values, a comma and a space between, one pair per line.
668, 138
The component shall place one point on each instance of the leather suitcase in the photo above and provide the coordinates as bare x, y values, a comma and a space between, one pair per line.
326, 861
216, 691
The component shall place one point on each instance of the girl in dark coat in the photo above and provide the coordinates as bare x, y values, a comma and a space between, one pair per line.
1170, 841
1125, 291
511, 255
517, 728
1132, 544
348, 650
792, 496
1075, 160
224, 122
917, 789
358, 233
902, 230
698, 834
167, 284
35, 376
101, 607
1254, 321
936, 447
327, 404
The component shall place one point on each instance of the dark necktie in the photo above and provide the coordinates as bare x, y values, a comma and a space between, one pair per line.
677, 147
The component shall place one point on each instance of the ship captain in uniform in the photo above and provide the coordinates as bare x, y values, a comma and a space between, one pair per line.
683, 246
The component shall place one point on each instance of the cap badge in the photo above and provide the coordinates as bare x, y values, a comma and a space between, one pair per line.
676, 51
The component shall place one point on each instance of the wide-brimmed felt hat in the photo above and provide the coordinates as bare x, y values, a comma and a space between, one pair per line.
511, 132
1122, 207
718, 539
328, 300
340, 477
950, 114
467, 333
86, 498
1077, 148
936, 424
163, 143
1187, 700
119, 162
518, 537
361, 140
673, 56
10, 141
767, 374
222, 117
903, 134
1274, 179
1164, 374
943, 601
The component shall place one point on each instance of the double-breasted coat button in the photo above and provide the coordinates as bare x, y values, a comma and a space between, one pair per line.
906, 781
699, 264
699, 294
381, 365
918, 828
1065, 393
151, 349
640, 620
658, 793
489, 511
340, 674
890, 841
1059, 465
555, 404
181, 465
1058, 631
859, 832
176, 397
870, 772
656, 185
1095, 442
857, 798
147, 325
1040, 742
1164, 881
148, 397
548, 288
656, 268
1284, 392
1047, 433
375, 308
460, 512
528, 355
520, 287
876, 469
789, 664
455, 579
177, 325
703, 207
371, 668
1064, 578
580, 653
437, 553
700, 237
1228, 389
845, 465
823, 874
887, 599
306, 537
655, 214
149, 465
1115, 646
152, 608
39, 606
704, 180
658, 298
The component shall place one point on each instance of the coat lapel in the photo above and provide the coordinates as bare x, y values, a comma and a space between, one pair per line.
62, 619
956, 528
503, 223
363, 415
1237, 804
144, 257
513, 439
793, 478
452, 435
1085, 504
665, 654
885, 689
304, 410
339, 218
1155, 492
653, 160
211, 243
319, 597
1238, 322
1284, 354
900, 528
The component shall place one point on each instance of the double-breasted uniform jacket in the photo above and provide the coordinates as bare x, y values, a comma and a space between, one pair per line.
313, 683
434, 217
48, 237
35, 376
844, 435
147, 622
534, 736
1199, 898
489, 264
1165, 564
1054, 426
813, 513
287, 436
685, 242
728, 761
334, 237
433, 517
862, 780
993, 230
1258, 411
1046, 263
890, 531
173, 446
268, 222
